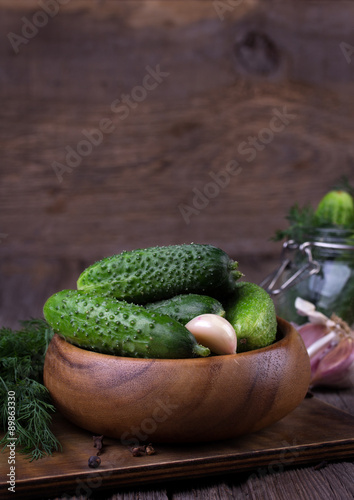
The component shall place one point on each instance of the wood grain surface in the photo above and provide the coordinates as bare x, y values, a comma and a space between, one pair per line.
169, 400
151, 180
312, 433
229, 70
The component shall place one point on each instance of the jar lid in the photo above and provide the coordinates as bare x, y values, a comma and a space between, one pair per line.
310, 267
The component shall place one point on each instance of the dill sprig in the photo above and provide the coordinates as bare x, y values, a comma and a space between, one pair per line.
301, 220
304, 221
22, 356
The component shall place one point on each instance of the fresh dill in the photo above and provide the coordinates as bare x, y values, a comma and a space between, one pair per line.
309, 224
303, 222
22, 354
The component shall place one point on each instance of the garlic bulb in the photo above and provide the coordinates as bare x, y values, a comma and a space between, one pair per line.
330, 345
215, 332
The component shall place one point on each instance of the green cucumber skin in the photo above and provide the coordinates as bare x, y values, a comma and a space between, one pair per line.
157, 273
108, 326
251, 312
185, 307
336, 208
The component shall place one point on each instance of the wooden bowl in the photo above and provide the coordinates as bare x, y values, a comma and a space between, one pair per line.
184, 400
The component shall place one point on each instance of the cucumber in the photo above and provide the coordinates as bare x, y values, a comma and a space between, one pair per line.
158, 273
336, 208
251, 312
105, 325
185, 307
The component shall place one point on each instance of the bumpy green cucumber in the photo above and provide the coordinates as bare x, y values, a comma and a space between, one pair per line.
105, 325
336, 208
158, 273
251, 312
185, 307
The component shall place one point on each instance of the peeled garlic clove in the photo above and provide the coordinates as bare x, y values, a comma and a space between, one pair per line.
215, 332
336, 367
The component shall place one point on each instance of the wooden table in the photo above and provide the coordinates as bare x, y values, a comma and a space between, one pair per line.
322, 480
231, 66
307, 455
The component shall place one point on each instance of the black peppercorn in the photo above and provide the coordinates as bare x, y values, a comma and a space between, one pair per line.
94, 462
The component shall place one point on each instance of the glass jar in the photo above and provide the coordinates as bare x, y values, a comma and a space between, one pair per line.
320, 270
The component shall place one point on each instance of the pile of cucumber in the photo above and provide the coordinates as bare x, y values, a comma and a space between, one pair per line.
138, 302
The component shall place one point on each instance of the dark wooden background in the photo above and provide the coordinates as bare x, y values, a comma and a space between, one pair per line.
231, 66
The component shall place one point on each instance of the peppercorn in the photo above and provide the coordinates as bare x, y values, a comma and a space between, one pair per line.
94, 461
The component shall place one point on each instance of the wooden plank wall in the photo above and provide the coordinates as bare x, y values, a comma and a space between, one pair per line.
209, 120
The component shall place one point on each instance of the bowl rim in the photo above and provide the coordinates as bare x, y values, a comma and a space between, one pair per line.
285, 330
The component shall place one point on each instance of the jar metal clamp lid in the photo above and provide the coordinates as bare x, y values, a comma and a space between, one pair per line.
310, 267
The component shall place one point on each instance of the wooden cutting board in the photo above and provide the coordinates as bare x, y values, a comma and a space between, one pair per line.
313, 432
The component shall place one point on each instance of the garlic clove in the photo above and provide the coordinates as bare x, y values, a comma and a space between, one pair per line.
318, 341
215, 332
330, 346
306, 308
336, 367
311, 332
